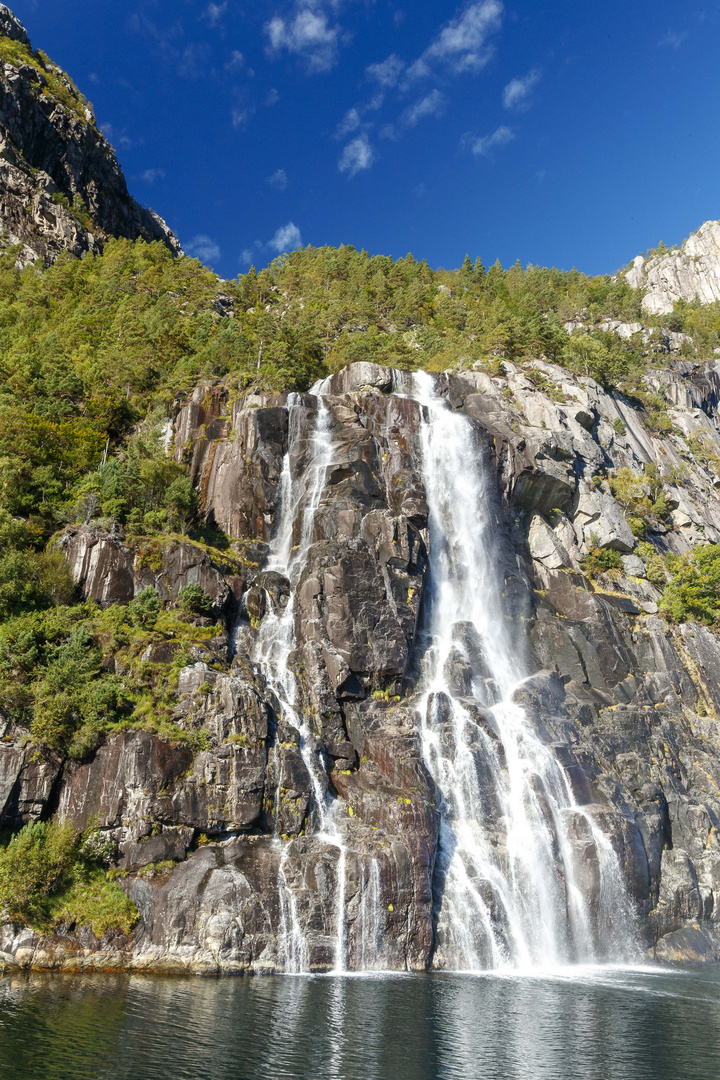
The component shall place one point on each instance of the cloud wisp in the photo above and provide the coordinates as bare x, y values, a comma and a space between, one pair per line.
308, 35
463, 44
357, 156
151, 175
433, 104
203, 247
387, 73
214, 13
516, 94
287, 238
484, 145
673, 39
278, 180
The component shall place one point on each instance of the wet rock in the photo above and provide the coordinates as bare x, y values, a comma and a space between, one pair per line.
276, 586
256, 602
624, 701
26, 779
237, 466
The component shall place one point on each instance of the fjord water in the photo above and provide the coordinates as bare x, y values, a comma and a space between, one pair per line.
507, 889
591, 1025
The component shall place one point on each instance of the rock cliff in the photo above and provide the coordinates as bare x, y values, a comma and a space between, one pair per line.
220, 847
689, 273
61, 187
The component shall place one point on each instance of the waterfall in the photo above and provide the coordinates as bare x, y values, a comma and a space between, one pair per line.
508, 889
299, 501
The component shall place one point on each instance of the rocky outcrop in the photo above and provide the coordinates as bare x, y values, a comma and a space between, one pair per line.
61, 187
110, 570
217, 832
689, 273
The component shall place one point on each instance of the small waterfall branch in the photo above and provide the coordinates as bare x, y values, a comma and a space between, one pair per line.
300, 499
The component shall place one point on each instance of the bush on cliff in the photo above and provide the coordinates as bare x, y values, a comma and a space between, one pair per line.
50, 876
74, 674
693, 593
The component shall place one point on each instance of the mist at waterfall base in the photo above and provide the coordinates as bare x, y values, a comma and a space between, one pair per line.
598, 1025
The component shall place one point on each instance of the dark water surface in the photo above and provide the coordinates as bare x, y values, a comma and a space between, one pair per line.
584, 1025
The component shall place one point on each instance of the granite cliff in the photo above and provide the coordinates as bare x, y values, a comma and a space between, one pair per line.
61, 187
626, 702
690, 272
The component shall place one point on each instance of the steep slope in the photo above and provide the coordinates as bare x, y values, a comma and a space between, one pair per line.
689, 273
61, 187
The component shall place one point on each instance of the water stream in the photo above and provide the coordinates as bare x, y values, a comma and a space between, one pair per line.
507, 881
299, 501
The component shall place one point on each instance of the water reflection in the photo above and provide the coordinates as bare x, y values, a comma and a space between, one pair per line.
581, 1025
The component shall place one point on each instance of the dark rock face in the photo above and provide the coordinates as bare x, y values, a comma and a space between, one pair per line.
46, 150
110, 571
626, 702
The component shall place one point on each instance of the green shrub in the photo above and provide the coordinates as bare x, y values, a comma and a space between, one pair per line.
694, 590
49, 876
193, 600
145, 608
600, 560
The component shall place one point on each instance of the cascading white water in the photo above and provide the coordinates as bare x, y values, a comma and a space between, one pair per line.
274, 644
508, 889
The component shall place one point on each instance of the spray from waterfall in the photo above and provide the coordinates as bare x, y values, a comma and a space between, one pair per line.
508, 880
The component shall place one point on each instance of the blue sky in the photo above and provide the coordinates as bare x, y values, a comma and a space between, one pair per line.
565, 132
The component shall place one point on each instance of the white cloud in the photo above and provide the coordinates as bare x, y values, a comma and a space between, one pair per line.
516, 93
214, 13
481, 147
673, 39
240, 117
203, 247
309, 35
462, 44
151, 175
278, 180
246, 256
433, 104
350, 122
387, 72
357, 156
273, 97
236, 61
287, 238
